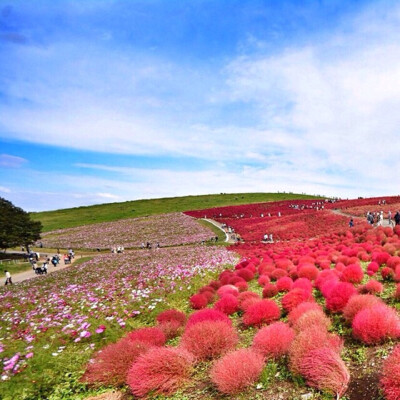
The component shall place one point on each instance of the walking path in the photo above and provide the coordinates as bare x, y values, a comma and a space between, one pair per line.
228, 236
385, 222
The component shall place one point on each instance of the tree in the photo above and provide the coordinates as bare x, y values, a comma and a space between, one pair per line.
16, 226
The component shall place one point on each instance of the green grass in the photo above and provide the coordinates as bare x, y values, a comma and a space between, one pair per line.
79, 216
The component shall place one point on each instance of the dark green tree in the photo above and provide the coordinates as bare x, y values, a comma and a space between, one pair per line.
16, 226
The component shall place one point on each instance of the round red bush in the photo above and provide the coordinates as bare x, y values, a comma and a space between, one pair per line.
358, 303
236, 371
172, 315
373, 286
373, 267
312, 318
375, 324
246, 274
308, 271
227, 289
171, 329
262, 312
352, 273
242, 286
270, 290
153, 336
302, 283
161, 370
294, 298
198, 301
339, 296
273, 341
278, 273
390, 380
263, 279
208, 314
227, 304
284, 284
387, 273
302, 308
209, 339
111, 364
247, 298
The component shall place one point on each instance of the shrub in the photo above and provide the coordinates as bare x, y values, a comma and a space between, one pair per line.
273, 341
209, 339
325, 370
302, 308
381, 258
393, 262
198, 301
390, 380
160, 370
263, 279
227, 289
111, 364
227, 304
172, 315
312, 318
246, 274
153, 336
373, 286
339, 296
387, 273
375, 324
372, 267
171, 329
324, 276
308, 271
358, 303
246, 299
396, 293
284, 284
270, 290
294, 298
208, 314
310, 339
242, 286
278, 273
352, 273
302, 283
262, 312
236, 371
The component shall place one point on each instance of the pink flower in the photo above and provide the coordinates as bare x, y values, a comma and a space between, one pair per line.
100, 329
29, 355
85, 334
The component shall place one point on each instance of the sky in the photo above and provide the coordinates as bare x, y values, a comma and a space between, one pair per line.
115, 100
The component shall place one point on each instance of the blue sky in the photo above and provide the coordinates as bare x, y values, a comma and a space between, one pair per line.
104, 101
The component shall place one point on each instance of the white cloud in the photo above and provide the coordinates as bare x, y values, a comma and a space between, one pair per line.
9, 161
5, 189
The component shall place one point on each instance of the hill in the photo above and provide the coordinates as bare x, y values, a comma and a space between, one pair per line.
78, 216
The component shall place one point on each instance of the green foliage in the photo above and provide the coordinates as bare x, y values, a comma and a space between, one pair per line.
16, 226
79, 216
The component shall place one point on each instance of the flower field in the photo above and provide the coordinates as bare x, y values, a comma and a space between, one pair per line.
313, 315
165, 229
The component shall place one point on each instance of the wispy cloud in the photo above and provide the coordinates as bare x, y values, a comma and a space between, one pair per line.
9, 161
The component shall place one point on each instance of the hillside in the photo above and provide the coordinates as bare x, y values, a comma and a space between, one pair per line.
71, 217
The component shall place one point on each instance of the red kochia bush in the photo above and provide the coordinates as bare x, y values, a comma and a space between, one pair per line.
198, 301
373, 286
390, 380
339, 296
227, 289
372, 268
246, 299
312, 318
161, 370
208, 314
270, 290
273, 341
375, 324
246, 274
209, 339
302, 283
325, 370
308, 271
111, 364
263, 279
352, 273
262, 312
358, 303
153, 336
172, 315
294, 298
302, 308
387, 273
242, 286
284, 284
227, 304
237, 370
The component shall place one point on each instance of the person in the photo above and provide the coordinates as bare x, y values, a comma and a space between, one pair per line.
8, 278
351, 223
41, 245
397, 218
265, 238
54, 261
390, 217
271, 238
381, 218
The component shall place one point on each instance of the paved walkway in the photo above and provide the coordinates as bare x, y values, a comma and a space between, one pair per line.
385, 222
228, 236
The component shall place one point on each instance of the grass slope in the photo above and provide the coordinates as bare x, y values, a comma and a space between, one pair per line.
79, 216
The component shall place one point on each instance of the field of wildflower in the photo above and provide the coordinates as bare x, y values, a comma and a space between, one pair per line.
165, 229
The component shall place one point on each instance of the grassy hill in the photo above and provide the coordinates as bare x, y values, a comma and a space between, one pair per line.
79, 216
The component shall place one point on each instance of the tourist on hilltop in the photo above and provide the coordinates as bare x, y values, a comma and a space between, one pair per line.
8, 278
381, 218
390, 217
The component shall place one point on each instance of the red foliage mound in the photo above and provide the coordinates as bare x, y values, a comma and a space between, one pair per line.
160, 370
325, 370
302, 283
308, 271
153, 336
387, 273
284, 284
262, 312
312, 318
352, 273
302, 308
358, 303
390, 380
294, 298
247, 298
269, 290
246, 274
171, 329
227, 304
396, 293
278, 273
209, 339
237, 370
339, 295
375, 324
227, 289
198, 301
373, 286
111, 364
172, 315
273, 341
372, 268
208, 314
263, 279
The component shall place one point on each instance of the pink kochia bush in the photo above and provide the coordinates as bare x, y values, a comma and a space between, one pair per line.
209, 339
111, 364
358, 303
273, 341
153, 336
293, 298
237, 370
325, 370
208, 314
339, 295
312, 318
390, 380
376, 324
302, 308
171, 322
198, 301
262, 312
228, 304
160, 370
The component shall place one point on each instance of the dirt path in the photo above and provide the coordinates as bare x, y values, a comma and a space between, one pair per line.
385, 222
228, 236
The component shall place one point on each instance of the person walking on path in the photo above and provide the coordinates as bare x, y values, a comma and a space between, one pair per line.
397, 218
8, 278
